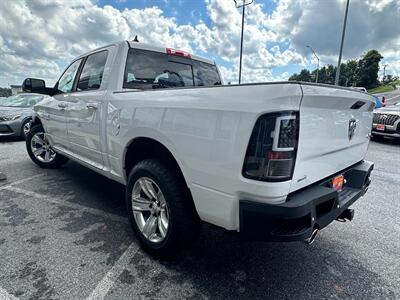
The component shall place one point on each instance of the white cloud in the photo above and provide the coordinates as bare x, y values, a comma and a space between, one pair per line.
39, 37
370, 25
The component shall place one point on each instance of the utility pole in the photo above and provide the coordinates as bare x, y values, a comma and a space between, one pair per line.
316, 78
341, 44
243, 5
384, 71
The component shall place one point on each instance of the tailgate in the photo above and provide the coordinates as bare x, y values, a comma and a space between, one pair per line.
334, 132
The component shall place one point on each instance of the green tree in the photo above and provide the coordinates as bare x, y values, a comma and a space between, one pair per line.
349, 73
325, 75
5, 92
368, 67
363, 72
322, 75
330, 74
303, 76
389, 79
352, 73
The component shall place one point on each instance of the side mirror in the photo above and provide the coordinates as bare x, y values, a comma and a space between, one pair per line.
34, 85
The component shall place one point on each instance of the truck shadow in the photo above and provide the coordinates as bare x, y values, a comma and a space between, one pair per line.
222, 266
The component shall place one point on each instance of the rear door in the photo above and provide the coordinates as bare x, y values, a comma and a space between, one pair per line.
335, 125
85, 106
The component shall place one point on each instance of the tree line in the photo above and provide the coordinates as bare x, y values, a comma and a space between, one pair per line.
362, 72
5, 92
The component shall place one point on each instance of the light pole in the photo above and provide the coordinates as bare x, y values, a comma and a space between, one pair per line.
316, 56
341, 44
243, 5
384, 71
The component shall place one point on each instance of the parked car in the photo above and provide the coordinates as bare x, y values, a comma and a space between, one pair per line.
386, 122
16, 114
273, 161
379, 102
360, 88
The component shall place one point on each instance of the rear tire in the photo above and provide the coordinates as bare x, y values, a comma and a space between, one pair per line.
175, 223
40, 151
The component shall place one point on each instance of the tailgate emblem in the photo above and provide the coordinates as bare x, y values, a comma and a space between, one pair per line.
352, 128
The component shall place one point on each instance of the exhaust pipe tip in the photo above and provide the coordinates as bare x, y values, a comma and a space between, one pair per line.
348, 214
311, 239
367, 184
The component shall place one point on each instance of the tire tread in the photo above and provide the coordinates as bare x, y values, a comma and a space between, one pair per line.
58, 161
185, 221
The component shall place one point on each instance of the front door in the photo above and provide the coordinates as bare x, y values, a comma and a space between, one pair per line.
85, 111
53, 112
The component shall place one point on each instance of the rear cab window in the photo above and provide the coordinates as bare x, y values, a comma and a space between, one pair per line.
205, 74
154, 70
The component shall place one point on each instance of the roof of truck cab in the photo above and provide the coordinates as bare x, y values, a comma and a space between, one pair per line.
100, 48
143, 46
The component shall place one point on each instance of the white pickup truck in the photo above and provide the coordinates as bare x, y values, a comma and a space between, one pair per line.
273, 161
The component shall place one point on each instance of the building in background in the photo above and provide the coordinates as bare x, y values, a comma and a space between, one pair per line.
16, 89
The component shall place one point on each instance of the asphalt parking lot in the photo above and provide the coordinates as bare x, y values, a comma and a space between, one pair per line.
64, 235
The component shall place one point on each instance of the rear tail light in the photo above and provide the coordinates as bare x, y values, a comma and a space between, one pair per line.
271, 153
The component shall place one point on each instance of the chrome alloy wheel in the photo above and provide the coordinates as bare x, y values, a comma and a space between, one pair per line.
41, 148
27, 128
150, 210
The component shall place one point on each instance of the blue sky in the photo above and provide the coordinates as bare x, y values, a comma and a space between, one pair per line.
185, 11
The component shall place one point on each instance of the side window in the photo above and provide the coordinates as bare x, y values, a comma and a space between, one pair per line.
66, 81
92, 72
205, 74
152, 70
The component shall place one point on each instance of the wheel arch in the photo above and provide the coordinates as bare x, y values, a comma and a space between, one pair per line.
142, 147
35, 121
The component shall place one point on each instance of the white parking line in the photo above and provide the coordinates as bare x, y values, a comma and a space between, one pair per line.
72, 205
6, 186
6, 296
104, 286
393, 98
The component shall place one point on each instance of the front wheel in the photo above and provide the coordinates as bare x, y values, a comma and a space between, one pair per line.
160, 210
25, 128
40, 151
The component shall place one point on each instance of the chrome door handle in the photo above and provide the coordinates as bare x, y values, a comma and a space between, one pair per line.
92, 105
62, 105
